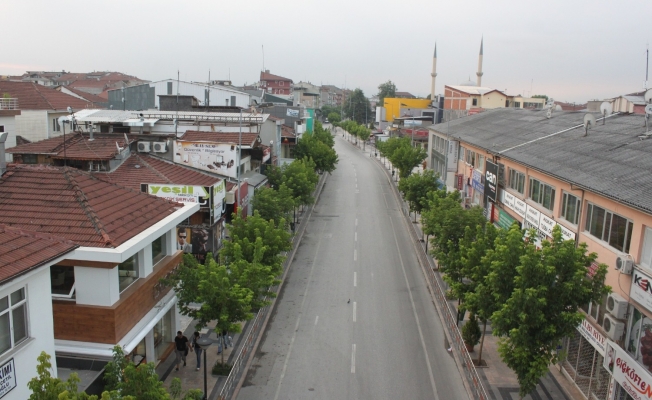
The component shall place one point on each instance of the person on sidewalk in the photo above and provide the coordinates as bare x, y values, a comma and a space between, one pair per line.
197, 348
227, 339
180, 349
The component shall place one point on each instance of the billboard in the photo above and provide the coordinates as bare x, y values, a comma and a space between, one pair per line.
490, 181
219, 200
179, 193
218, 158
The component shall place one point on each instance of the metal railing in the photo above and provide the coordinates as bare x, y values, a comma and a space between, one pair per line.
8, 103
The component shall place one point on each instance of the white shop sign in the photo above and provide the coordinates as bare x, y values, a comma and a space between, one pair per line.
508, 199
641, 289
591, 334
546, 224
632, 376
533, 216
7, 377
520, 207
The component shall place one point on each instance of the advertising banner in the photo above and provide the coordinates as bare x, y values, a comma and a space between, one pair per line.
7, 377
460, 182
292, 113
631, 376
451, 158
218, 158
592, 334
180, 193
476, 181
491, 181
641, 289
520, 207
502, 219
267, 154
533, 216
184, 238
219, 200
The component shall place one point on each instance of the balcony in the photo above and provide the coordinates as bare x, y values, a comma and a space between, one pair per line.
8, 103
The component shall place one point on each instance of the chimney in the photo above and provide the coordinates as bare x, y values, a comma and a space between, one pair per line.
267, 71
3, 161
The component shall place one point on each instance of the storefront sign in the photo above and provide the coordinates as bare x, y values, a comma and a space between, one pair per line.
7, 377
508, 199
641, 289
180, 193
591, 334
632, 376
533, 216
460, 182
491, 181
520, 207
546, 224
567, 233
476, 181
219, 158
451, 158
219, 203
292, 113
267, 154
502, 219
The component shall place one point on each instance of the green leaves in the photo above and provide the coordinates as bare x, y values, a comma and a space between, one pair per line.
416, 187
387, 89
357, 107
401, 153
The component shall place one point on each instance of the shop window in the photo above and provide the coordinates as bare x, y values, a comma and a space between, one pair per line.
639, 338
128, 272
609, 227
542, 193
163, 334
470, 157
158, 249
480, 164
13, 320
570, 208
517, 180
62, 281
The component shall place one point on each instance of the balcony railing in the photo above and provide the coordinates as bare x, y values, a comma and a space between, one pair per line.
8, 103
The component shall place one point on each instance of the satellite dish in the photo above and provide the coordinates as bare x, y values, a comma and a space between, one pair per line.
589, 122
648, 109
648, 96
605, 109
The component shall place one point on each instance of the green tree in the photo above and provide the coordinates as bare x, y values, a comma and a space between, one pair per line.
334, 117
387, 89
300, 177
274, 176
46, 387
550, 285
312, 147
324, 135
415, 189
212, 285
405, 157
357, 107
363, 134
540, 96
273, 204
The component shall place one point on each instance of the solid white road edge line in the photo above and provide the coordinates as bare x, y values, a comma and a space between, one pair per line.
414, 311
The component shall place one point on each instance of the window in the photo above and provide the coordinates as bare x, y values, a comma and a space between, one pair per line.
480, 165
570, 208
2, 128
169, 87
646, 253
128, 271
475, 102
62, 281
517, 104
158, 249
517, 180
29, 158
56, 127
609, 227
13, 320
542, 193
461, 155
470, 157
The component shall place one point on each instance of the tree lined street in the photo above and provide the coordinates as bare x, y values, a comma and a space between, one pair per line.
354, 319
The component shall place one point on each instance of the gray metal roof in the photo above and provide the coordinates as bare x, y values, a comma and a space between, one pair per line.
254, 178
611, 160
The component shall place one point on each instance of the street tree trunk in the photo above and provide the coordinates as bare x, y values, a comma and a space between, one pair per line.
484, 331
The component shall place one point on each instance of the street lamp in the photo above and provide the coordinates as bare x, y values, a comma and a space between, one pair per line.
204, 343
237, 200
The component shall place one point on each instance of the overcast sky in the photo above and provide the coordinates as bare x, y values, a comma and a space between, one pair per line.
571, 50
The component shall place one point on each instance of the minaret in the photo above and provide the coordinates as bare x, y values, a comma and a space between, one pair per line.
434, 75
479, 73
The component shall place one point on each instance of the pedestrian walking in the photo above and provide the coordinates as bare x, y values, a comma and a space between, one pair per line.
227, 339
180, 349
197, 348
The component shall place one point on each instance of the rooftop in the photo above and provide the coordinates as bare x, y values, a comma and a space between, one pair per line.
23, 250
72, 204
611, 160
246, 138
78, 147
266, 76
476, 90
141, 168
32, 96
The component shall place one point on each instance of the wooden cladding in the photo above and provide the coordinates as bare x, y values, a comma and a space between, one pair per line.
99, 324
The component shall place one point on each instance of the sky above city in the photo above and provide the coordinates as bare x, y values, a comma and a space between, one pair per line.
570, 50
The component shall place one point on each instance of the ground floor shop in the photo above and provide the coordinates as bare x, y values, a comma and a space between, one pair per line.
583, 365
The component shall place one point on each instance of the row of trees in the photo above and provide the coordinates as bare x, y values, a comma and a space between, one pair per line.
357, 130
530, 294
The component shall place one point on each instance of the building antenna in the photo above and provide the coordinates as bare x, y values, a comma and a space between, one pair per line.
176, 118
263, 47
647, 63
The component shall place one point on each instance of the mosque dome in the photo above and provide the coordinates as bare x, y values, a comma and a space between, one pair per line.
468, 83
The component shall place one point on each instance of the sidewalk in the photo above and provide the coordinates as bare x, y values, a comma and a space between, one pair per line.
499, 381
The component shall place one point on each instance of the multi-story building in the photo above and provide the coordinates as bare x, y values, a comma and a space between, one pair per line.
595, 185
275, 84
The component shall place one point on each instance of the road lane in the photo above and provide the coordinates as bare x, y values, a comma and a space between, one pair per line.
354, 319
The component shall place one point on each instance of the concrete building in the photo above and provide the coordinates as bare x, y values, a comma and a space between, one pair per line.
548, 172
275, 84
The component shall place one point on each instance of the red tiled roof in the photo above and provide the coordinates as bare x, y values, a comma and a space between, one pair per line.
22, 250
248, 139
78, 147
32, 96
266, 76
141, 168
93, 98
72, 204
288, 132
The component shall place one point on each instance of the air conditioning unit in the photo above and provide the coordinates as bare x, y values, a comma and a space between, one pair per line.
613, 327
144, 147
160, 147
624, 264
617, 306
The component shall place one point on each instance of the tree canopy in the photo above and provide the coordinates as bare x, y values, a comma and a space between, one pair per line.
387, 89
416, 187
357, 107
